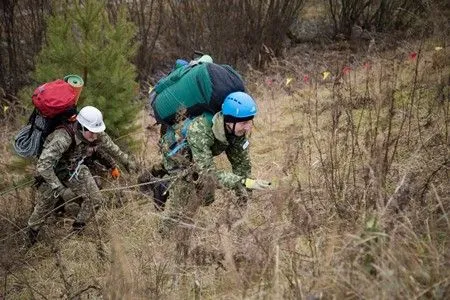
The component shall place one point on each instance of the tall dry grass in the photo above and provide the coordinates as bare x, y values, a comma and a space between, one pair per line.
359, 208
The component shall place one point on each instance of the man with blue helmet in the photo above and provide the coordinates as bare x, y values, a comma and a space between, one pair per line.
207, 136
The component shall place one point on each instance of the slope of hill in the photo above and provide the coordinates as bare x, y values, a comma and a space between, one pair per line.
357, 148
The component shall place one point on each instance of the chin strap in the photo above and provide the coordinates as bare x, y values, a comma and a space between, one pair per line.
232, 129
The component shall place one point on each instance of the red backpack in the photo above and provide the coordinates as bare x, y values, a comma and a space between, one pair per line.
54, 98
55, 107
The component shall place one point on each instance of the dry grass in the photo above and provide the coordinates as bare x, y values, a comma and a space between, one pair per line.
359, 207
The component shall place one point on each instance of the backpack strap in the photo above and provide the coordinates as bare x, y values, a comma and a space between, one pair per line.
32, 121
180, 144
69, 129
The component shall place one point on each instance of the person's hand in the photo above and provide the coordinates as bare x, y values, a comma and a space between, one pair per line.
256, 184
66, 193
115, 173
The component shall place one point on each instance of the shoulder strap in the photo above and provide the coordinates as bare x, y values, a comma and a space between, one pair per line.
208, 117
180, 144
32, 122
70, 131
185, 127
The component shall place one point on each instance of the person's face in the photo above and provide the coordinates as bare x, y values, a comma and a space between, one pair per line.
241, 128
89, 136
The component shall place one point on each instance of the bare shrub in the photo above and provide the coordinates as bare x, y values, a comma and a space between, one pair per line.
149, 18
232, 31
22, 25
374, 15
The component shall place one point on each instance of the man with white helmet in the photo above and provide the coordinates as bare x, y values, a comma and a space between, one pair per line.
63, 171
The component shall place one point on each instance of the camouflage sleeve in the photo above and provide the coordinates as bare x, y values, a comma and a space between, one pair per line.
104, 158
200, 139
111, 148
240, 158
54, 148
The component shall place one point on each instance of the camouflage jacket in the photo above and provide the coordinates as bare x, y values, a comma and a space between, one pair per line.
206, 139
59, 156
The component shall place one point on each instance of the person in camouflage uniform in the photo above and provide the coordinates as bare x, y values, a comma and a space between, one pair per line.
188, 150
100, 164
63, 171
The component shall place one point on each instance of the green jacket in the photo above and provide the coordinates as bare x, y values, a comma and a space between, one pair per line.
206, 139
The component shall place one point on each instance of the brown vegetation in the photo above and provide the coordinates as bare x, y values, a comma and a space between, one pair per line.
359, 162
360, 207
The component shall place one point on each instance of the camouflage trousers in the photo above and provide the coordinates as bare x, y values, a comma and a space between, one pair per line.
83, 185
187, 194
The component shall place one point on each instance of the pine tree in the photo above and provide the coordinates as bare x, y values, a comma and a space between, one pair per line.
82, 40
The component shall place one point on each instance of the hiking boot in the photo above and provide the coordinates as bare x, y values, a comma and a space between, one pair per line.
31, 237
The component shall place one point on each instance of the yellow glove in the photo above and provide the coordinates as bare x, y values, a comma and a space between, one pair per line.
115, 173
256, 184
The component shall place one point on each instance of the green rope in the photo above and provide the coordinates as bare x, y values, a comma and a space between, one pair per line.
15, 187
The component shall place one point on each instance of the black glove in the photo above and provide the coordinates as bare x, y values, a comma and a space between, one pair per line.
31, 237
78, 226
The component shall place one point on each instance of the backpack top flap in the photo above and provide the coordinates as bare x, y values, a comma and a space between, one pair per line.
225, 80
186, 88
53, 98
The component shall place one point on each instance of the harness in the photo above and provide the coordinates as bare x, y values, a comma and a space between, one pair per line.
181, 143
76, 171
70, 131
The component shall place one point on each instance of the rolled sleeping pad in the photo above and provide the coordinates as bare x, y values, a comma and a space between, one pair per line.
76, 82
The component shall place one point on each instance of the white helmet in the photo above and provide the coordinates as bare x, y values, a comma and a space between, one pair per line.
92, 119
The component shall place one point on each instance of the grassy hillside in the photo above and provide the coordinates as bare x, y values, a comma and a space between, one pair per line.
359, 162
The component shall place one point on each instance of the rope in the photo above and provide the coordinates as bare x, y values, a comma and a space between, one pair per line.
79, 196
27, 141
77, 169
15, 187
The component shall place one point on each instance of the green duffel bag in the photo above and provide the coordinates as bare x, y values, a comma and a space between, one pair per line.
192, 90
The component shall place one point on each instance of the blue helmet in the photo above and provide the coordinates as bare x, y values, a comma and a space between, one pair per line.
180, 63
239, 107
